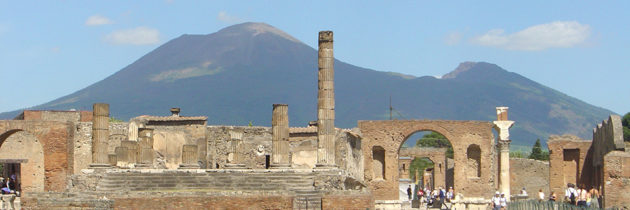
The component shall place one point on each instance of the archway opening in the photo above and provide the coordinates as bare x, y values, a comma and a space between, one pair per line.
22, 156
430, 156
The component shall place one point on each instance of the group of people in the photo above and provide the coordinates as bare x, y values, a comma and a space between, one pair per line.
8, 185
499, 201
435, 197
580, 196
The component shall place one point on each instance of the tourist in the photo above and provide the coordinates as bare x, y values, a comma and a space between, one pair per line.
541, 195
552, 196
581, 192
421, 196
503, 200
523, 192
594, 198
8, 186
409, 192
450, 194
570, 195
496, 201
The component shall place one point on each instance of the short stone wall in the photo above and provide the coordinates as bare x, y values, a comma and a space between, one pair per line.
205, 202
533, 175
617, 176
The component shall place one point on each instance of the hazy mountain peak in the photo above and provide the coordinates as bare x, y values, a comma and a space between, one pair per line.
255, 29
463, 67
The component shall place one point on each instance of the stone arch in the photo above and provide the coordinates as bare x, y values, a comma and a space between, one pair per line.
473, 154
378, 162
20, 145
391, 134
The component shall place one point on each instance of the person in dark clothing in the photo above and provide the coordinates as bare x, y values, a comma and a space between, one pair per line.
409, 192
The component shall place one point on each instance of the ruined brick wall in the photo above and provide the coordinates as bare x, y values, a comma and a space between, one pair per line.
24, 145
531, 174
350, 201
82, 143
255, 145
462, 134
567, 155
205, 202
53, 115
56, 139
348, 155
617, 176
168, 141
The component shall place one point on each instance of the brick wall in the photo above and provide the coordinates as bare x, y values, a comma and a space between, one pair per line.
348, 202
205, 202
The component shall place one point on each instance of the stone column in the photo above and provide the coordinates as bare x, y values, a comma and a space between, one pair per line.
280, 136
502, 125
133, 131
100, 135
326, 102
233, 160
189, 157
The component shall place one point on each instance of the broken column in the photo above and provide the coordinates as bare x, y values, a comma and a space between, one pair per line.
502, 125
189, 157
132, 151
280, 136
100, 135
145, 148
233, 160
122, 156
326, 102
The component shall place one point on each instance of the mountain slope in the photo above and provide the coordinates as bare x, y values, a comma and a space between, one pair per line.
234, 76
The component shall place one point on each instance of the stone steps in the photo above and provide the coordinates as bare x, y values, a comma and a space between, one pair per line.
307, 199
125, 181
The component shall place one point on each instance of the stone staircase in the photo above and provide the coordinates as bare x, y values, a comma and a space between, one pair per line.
210, 181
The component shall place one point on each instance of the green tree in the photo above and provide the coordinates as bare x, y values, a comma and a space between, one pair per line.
517, 154
537, 152
419, 165
435, 139
625, 121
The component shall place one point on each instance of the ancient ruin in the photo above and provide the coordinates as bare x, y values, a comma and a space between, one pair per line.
66, 159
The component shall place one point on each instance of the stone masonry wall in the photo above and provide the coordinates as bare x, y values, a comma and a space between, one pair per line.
205, 202
350, 201
531, 174
82, 143
617, 176
563, 170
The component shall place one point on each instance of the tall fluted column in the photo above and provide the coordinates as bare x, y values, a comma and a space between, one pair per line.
280, 136
100, 135
502, 125
326, 102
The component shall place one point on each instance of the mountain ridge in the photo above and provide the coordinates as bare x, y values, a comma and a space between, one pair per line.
235, 74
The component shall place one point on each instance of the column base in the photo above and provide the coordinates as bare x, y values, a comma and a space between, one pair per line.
188, 166
142, 165
325, 166
235, 165
285, 165
100, 165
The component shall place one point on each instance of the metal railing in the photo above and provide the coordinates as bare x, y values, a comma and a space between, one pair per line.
533, 204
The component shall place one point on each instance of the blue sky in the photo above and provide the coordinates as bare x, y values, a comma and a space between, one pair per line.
49, 49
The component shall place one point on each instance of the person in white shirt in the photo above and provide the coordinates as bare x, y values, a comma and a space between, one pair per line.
541, 195
503, 201
570, 195
496, 201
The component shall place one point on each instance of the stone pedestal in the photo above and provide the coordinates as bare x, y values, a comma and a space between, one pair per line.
280, 136
189, 157
100, 135
112, 159
122, 156
326, 102
132, 151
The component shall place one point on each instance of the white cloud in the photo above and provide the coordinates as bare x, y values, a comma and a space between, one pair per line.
453, 38
226, 18
96, 20
135, 36
559, 34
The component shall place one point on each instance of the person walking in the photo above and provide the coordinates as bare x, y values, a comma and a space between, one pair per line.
409, 192
570, 195
496, 201
541, 195
503, 201
581, 192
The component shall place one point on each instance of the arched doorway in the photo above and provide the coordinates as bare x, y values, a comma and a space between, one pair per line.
391, 134
23, 156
